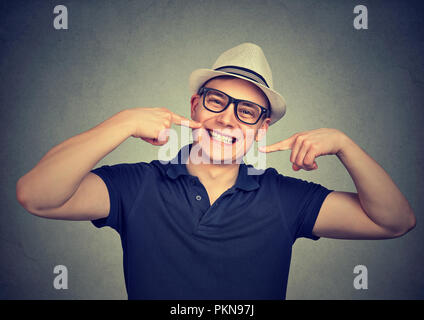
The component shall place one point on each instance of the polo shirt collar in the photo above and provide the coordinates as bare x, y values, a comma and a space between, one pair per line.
176, 168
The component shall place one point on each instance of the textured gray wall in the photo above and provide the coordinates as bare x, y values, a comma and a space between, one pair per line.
122, 54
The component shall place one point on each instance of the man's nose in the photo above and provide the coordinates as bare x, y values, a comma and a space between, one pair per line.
227, 117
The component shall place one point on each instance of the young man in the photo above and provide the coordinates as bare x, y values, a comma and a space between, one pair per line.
208, 229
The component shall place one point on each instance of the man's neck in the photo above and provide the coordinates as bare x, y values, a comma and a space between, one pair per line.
220, 174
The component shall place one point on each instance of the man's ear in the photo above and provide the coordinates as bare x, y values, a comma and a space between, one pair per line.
262, 129
194, 102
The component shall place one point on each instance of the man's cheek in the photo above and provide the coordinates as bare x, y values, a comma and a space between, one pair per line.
248, 139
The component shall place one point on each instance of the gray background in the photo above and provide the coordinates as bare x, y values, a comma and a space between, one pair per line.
116, 55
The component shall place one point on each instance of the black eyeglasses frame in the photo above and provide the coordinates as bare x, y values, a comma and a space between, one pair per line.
204, 90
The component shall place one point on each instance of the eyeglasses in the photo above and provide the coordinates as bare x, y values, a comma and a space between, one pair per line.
245, 111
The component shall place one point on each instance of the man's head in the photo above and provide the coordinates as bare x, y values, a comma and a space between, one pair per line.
246, 61
228, 133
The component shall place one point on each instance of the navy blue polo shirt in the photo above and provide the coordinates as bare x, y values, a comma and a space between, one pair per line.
177, 246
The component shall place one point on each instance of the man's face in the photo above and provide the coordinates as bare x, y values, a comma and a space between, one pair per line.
238, 136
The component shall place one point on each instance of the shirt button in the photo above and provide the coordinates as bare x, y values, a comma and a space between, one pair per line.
198, 198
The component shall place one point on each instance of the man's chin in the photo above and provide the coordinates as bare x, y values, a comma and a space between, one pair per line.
219, 158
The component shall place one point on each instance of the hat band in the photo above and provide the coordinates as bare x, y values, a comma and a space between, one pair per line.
246, 73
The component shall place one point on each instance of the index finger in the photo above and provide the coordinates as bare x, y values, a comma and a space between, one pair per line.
279, 146
182, 121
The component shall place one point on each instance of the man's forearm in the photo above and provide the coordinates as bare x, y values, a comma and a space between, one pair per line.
57, 175
379, 196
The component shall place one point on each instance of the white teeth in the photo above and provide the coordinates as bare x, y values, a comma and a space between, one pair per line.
221, 138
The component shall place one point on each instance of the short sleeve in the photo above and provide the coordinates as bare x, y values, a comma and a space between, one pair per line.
123, 183
301, 201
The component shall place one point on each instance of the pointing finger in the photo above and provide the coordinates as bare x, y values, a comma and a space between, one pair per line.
271, 148
279, 146
287, 144
182, 121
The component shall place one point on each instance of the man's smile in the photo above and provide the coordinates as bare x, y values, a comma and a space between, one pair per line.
219, 136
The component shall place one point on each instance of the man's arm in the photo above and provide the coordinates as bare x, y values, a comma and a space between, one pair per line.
61, 185
377, 211
47, 189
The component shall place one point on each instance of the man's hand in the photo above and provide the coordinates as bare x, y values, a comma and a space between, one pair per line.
308, 145
152, 124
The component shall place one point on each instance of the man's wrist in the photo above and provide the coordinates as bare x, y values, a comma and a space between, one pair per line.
347, 146
125, 120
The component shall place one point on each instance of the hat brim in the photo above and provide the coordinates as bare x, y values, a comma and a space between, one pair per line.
278, 104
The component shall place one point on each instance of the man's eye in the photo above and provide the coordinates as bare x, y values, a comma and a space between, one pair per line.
215, 101
247, 112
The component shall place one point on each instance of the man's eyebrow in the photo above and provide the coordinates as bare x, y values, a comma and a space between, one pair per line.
219, 93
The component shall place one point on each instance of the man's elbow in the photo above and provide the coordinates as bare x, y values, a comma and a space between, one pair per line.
410, 223
21, 195
24, 199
